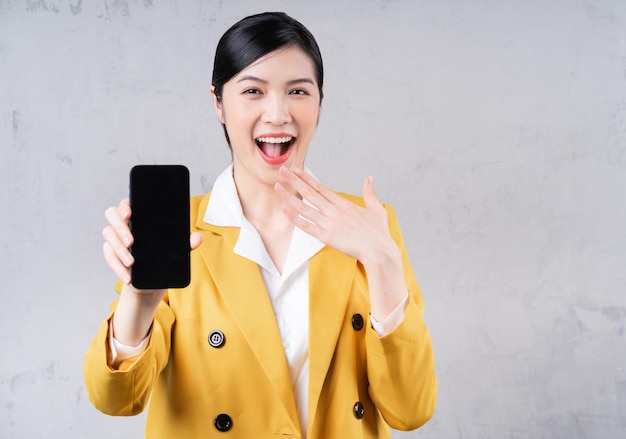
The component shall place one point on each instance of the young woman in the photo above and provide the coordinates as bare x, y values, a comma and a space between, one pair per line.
303, 317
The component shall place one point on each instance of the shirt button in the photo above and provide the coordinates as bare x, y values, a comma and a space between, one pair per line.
223, 422
217, 339
357, 322
359, 411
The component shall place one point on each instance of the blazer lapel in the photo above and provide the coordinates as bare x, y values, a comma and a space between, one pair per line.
240, 284
330, 277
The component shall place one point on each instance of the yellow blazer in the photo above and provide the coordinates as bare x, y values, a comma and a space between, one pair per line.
359, 383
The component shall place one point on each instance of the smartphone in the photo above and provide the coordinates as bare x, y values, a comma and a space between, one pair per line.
159, 199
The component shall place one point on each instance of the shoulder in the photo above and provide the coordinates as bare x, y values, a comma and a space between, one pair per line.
196, 200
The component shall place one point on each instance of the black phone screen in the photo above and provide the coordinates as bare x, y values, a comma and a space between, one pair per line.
159, 199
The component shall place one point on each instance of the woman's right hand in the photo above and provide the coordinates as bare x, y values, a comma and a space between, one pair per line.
136, 308
118, 240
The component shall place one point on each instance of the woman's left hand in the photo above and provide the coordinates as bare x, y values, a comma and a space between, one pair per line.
360, 232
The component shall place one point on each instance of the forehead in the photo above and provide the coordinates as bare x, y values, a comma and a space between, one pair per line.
284, 63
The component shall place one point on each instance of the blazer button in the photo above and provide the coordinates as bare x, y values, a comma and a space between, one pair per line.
357, 322
217, 339
359, 411
223, 422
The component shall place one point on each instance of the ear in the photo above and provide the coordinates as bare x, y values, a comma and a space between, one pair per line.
219, 109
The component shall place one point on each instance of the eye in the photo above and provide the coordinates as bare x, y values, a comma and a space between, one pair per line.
299, 92
252, 91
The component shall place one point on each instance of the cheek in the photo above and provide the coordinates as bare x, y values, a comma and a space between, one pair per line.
242, 115
308, 117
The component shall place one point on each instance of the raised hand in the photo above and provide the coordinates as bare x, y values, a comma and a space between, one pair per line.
357, 231
360, 232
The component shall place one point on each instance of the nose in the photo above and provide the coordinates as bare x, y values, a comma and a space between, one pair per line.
276, 110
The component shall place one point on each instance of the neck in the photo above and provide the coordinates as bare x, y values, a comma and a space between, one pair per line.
259, 200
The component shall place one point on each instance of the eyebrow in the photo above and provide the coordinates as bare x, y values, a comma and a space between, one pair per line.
264, 81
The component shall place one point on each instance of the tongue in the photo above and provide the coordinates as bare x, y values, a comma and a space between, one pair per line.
272, 149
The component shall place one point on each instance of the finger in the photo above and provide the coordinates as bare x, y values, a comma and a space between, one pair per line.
115, 264
195, 239
125, 209
303, 224
117, 247
118, 218
298, 206
315, 184
328, 194
369, 195
311, 190
300, 183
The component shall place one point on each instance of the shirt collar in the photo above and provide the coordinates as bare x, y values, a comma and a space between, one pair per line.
224, 210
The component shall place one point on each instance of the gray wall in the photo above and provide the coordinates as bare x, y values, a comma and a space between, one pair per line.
496, 128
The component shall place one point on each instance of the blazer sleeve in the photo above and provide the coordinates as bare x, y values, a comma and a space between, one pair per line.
126, 390
401, 364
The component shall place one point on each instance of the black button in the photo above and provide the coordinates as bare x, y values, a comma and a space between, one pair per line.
359, 411
217, 339
223, 422
357, 322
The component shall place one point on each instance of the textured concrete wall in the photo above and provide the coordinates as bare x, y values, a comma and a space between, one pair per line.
497, 128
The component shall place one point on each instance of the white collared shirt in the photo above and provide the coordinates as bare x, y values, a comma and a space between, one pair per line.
288, 291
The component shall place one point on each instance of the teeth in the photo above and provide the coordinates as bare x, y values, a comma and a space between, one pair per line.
274, 139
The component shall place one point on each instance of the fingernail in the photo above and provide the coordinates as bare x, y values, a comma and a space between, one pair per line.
128, 260
125, 212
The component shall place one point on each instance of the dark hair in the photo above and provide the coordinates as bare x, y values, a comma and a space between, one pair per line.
256, 36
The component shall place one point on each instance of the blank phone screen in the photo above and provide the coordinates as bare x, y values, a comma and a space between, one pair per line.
159, 199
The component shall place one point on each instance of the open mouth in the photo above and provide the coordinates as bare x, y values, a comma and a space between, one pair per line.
275, 150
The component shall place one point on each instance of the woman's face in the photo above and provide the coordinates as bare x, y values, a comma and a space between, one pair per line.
270, 110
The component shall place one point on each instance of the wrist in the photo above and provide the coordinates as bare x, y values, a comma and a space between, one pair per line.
385, 277
382, 257
134, 314
142, 298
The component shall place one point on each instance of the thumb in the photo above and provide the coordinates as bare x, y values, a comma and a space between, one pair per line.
369, 195
195, 239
